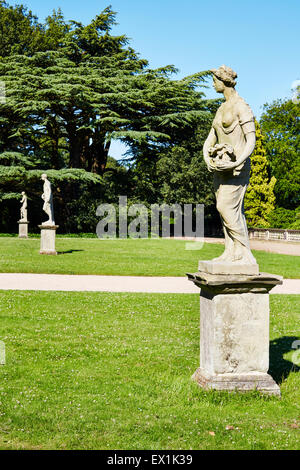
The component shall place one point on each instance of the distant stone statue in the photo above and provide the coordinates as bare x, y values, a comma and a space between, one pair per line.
227, 151
23, 207
48, 200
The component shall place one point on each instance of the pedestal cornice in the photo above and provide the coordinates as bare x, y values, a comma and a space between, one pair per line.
48, 227
233, 283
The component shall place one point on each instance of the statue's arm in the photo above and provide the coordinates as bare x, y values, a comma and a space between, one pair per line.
247, 124
248, 149
210, 142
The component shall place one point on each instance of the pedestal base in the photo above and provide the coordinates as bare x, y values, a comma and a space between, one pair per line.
262, 382
23, 229
48, 233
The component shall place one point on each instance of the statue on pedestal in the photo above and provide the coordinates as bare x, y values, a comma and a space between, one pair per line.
48, 200
23, 208
234, 295
227, 151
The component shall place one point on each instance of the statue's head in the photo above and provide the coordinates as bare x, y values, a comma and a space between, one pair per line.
44, 176
223, 77
23, 193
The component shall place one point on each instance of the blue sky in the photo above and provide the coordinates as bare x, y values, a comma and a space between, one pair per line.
258, 39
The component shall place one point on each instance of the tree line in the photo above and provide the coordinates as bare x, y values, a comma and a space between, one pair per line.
71, 89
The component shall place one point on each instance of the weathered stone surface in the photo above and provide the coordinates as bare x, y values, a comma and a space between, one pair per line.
227, 267
234, 331
232, 283
23, 229
48, 233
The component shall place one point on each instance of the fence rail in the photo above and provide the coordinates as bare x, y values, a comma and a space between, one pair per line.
275, 234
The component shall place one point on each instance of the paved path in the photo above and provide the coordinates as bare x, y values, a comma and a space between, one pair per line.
284, 248
62, 282
270, 246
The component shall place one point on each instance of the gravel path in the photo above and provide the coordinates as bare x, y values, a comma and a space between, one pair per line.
62, 282
273, 246
284, 248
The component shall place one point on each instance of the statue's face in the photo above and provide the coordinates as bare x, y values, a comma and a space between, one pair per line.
218, 85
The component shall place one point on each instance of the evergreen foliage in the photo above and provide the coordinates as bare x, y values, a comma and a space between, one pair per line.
71, 89
67, 105
280, 124
259, 199
285, 218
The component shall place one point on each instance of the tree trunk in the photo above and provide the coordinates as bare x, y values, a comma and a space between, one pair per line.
85, 152
74, 146
53, 133
99, 153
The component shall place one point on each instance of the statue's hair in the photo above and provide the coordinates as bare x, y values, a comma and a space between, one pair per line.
226, 75
44, 174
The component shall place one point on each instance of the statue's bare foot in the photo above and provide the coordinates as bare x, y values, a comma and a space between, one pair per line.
225, 256
48, 222
237, 257
241, 253
238, 252
249, 258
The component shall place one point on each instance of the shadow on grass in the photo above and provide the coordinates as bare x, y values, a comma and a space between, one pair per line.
280, 368
67, 252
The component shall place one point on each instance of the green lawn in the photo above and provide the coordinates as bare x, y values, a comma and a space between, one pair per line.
125, 257
112, 371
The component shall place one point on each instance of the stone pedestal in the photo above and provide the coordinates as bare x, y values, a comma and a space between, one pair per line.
48, 233
23, 229
234, 331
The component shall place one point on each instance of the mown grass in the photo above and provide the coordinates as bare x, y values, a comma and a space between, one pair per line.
113, 371
145, 257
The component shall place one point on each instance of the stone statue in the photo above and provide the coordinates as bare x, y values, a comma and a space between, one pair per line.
23, 208
48, 200
234, 295
227, 151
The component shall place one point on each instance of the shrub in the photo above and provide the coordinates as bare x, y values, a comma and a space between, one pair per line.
284, 218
